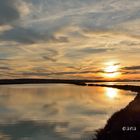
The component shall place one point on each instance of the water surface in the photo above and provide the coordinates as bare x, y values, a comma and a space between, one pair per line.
118, 83
57, 111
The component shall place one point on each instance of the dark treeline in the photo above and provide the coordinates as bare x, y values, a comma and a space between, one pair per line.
38, 81
47, 81
43, 81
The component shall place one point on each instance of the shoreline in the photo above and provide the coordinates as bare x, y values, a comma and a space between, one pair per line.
132, 88
123, 124
47, 81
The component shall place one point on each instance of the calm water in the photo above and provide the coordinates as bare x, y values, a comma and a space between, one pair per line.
120, 83
57, 112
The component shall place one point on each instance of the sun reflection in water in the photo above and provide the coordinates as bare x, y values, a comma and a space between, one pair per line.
111, 93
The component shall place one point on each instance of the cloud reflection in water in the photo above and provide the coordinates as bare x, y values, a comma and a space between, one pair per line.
56, 112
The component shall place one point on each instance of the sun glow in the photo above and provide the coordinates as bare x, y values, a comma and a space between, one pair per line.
111, 71
112, 75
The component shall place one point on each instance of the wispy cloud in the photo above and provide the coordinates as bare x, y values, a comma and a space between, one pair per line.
132, 68
67, 36
8, 11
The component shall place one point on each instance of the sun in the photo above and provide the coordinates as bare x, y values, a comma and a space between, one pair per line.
111, 71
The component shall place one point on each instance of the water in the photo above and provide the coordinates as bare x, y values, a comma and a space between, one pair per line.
119, 83
57, 111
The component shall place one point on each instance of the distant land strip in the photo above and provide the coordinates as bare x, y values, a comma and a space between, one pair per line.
132, 88
47, 81
42, 81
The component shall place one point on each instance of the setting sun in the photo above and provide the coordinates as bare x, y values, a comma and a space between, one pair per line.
111, 71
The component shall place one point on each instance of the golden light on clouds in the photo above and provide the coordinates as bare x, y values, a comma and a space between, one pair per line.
112, 75
71, 39
111, 71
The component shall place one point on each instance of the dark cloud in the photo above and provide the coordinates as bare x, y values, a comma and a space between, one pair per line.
5, 68
50, 55
80, 53
8, 11
132, 68
61, 39
30, 36
95, 50
49, 58
75, 72
58, 73
131, 72
22, 35
116, 64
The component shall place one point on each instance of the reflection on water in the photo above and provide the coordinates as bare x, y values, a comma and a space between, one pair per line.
119, 83
111, 93
56, 112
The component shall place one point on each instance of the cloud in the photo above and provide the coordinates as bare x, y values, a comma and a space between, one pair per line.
49, 58
132, 68
99, 13
29, 36
76, 31
12, 10
95, 50
84, 52
89, 15
8, 11
4, 68
63, 73
22, 35
132, 72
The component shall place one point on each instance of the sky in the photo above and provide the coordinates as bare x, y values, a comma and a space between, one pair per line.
70, 39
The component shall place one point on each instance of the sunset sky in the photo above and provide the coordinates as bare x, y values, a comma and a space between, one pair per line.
72, 39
